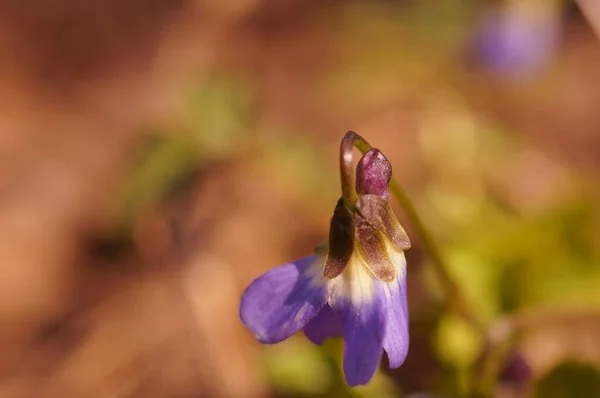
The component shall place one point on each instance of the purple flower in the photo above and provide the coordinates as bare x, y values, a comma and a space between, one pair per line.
354, 286
519, 39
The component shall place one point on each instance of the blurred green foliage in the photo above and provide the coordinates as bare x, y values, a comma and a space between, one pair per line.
570, 380
216, 119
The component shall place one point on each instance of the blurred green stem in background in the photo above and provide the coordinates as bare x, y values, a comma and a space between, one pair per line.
484, 374
451, 290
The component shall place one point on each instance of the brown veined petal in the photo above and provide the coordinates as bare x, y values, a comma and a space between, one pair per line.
373, 248
377, 212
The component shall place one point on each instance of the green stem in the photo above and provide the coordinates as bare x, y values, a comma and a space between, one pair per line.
451, 289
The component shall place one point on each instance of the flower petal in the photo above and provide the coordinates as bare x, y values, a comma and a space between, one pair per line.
326, 324
359, 300
280, 302
378, 212
373, 247
396, 336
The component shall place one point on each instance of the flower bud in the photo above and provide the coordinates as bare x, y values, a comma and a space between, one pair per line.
373, 174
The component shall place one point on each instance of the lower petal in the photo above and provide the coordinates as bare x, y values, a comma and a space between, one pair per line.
281, 301
396, 336
326, 324
359, 301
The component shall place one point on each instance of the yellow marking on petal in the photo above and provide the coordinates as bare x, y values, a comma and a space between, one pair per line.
356, 283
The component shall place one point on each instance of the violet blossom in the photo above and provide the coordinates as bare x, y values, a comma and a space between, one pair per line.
353, 286
519, 38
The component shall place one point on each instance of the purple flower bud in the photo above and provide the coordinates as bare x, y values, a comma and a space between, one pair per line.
373, 174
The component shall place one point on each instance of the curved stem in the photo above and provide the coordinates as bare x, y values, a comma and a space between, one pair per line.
349, 142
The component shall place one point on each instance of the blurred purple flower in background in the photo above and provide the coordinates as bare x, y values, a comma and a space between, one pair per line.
519, 38
355, 285
516, 370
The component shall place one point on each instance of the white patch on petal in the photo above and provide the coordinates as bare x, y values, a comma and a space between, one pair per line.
355, 284
315, 271
398, 259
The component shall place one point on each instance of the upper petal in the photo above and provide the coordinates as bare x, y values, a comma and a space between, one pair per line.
280, 302
341, 241
396, 336
359, 300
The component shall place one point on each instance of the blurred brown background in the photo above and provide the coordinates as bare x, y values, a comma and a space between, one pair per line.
157, 155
